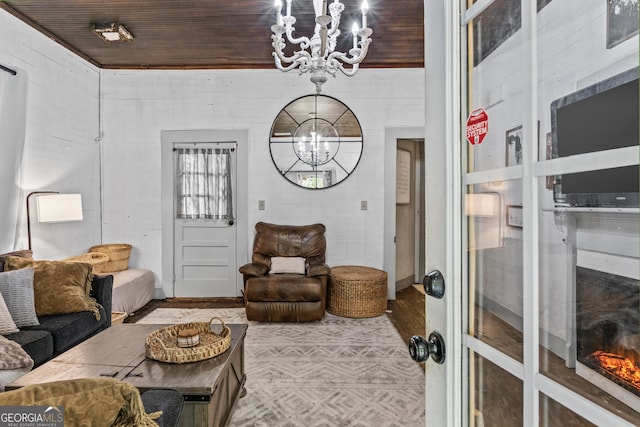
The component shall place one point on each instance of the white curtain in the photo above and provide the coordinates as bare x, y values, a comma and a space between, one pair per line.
204, 183
13, 114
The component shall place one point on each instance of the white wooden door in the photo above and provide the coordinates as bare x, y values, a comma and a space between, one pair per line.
205, 248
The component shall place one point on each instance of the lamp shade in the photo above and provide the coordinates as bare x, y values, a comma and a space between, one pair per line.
59, 207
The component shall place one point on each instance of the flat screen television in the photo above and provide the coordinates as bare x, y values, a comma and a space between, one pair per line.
600, 117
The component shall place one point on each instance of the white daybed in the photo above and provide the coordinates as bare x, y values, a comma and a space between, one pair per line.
132, 289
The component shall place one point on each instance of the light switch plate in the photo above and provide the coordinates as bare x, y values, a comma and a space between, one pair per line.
260, 205
363, 205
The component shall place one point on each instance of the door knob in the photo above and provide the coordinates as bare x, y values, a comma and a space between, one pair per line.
433, 284
420, 349
231, 222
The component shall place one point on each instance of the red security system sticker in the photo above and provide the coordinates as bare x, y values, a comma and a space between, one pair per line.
477, 126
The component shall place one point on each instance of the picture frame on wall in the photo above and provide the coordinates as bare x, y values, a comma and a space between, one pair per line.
622, 21
514, 147
403, 177
514, 216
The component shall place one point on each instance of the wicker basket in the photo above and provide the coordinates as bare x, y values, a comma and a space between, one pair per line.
118, 254
162, 344
117, 317
356, 291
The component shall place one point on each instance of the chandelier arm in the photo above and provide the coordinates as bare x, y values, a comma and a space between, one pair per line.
335, 26
296, 57
333, 40
303, 41
288, 28
280, 67
300, 57
352, 60
335, 10
349, 72
300, 62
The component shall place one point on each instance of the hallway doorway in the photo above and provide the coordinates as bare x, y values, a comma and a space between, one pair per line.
412, 235
409, 212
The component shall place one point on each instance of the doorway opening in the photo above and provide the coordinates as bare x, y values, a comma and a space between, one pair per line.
410, 217
394, 138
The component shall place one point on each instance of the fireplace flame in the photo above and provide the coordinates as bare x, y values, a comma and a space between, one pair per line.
625, 368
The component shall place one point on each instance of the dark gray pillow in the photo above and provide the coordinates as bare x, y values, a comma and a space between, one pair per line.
16, 288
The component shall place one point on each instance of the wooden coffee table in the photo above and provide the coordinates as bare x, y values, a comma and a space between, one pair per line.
210, 387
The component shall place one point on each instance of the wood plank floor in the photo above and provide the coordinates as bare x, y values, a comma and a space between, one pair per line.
407, 313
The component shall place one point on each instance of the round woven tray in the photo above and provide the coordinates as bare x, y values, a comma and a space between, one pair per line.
162, 344
356, 291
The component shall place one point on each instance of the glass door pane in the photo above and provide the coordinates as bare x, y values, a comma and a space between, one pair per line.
553, 414
494, 217
497, 397
492, 159
589, 222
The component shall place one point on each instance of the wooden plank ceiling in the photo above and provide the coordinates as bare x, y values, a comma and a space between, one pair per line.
184, 34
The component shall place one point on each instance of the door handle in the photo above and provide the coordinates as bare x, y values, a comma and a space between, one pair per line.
433, 284
420, 349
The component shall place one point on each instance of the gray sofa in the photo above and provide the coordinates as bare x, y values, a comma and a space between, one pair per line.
58, 333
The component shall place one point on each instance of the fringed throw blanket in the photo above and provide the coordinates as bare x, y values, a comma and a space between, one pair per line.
87, 402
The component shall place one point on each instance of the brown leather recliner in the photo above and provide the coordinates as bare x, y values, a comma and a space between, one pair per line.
286, 297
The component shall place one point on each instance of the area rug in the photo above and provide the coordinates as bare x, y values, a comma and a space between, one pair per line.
336, 372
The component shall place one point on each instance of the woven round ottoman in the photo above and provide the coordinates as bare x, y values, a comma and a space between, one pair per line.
356, 291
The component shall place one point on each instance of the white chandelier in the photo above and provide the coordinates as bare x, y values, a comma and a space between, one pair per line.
323, 59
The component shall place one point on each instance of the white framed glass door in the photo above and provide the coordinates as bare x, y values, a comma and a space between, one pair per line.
542, 236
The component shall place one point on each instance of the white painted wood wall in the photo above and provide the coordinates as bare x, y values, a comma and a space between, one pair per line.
138, 105
61, 151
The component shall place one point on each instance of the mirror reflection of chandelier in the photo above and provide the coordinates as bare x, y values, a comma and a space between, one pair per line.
316, 141
323, 59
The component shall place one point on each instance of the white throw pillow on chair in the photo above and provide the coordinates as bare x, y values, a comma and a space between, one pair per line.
291, 265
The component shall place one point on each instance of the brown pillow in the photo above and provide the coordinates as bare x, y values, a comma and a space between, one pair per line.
25, 253
59, 287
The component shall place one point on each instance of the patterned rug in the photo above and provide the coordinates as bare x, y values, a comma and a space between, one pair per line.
337, 372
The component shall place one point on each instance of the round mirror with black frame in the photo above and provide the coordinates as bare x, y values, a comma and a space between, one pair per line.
316, 142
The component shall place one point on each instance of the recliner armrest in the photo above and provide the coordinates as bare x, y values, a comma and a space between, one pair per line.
318, 270
253, 269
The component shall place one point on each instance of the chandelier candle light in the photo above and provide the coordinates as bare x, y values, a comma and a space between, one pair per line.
323, 58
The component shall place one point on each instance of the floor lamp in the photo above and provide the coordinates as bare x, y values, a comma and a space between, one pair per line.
54, 207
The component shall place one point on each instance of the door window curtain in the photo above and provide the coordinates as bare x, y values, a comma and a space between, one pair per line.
204, 183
